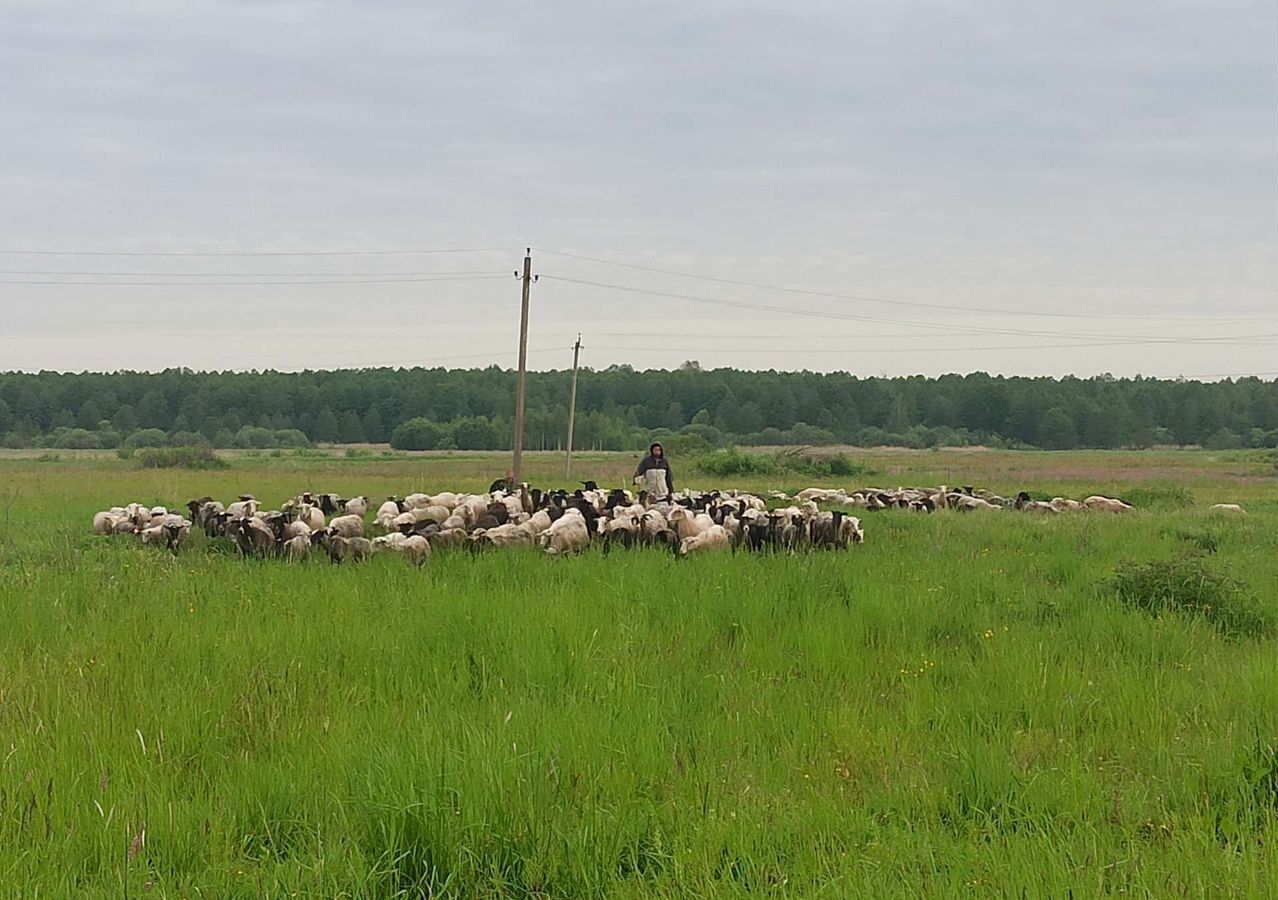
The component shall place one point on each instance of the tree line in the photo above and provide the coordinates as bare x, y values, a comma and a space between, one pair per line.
620, 408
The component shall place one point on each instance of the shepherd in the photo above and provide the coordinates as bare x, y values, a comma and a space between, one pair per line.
654, 474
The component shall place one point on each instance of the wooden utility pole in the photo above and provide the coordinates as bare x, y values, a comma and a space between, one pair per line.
572, 405
523, 364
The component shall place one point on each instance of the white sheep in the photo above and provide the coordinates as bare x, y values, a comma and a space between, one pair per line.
347, 526
1228, 507
356, 506
1097, 503
297, 547
713, 538
567, 534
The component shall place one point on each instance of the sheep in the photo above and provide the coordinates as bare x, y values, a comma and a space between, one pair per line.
297, 548
355, 506
104, 522
387, 512
686, 524
447, 538
416, 549
1025, 504
340, 549
1064, 504
413, 501
253, 536
1097, 503
312, 516
568, 534
713, 538
436, 514
1228, 507
347, 526
247, 505
509, 535
390, 541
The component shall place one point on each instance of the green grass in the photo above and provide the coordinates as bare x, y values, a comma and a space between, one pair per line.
962, 706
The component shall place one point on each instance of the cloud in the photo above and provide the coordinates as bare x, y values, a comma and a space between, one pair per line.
1109, 159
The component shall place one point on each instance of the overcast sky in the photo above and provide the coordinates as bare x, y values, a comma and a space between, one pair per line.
945, 167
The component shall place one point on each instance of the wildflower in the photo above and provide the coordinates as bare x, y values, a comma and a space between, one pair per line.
989, 633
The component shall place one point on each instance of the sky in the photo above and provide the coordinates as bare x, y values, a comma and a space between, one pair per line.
882, 188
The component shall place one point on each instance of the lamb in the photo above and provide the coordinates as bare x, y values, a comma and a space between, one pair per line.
1228, 507
297, 548
711, 539
1097, 503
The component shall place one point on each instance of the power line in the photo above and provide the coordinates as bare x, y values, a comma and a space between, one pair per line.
284, 281
250, 253
865, 299
821, 314
240, 274
1241, 340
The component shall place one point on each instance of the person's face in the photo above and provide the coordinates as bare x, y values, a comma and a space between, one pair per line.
658, 451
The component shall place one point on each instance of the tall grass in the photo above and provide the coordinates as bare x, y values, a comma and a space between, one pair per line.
960, 707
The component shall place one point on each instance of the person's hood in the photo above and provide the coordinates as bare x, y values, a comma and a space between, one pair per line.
653, 447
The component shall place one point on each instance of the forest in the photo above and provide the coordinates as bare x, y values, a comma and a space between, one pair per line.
620, 408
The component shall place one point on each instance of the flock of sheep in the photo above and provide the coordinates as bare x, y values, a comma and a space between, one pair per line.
964, 499
557, 521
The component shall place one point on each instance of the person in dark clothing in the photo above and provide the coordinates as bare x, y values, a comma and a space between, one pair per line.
650, 470
507, 484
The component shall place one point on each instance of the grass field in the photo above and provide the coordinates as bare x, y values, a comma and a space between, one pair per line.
962, 706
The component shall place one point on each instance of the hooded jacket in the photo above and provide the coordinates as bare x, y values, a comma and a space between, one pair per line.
652, 461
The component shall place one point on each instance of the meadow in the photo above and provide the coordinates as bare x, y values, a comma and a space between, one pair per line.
965, 705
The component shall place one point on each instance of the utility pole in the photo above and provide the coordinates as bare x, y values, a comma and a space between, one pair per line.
523, 364
572, 405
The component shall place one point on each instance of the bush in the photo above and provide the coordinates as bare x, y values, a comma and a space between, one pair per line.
418, 434
1188, 586
188, 439
73, 439
201, 457
731, 461
291, 437
1159, 496
147, 437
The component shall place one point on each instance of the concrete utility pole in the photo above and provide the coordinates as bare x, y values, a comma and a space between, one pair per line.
523, 364
572, 405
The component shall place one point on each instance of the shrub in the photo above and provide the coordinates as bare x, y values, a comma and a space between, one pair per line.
731, 461
1159, 496
147, 437
418, 434
1188, 586
200, 457
73, 439
291, 437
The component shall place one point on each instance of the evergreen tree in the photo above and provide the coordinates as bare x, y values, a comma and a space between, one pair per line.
1056, 431
325, 426
350, 428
